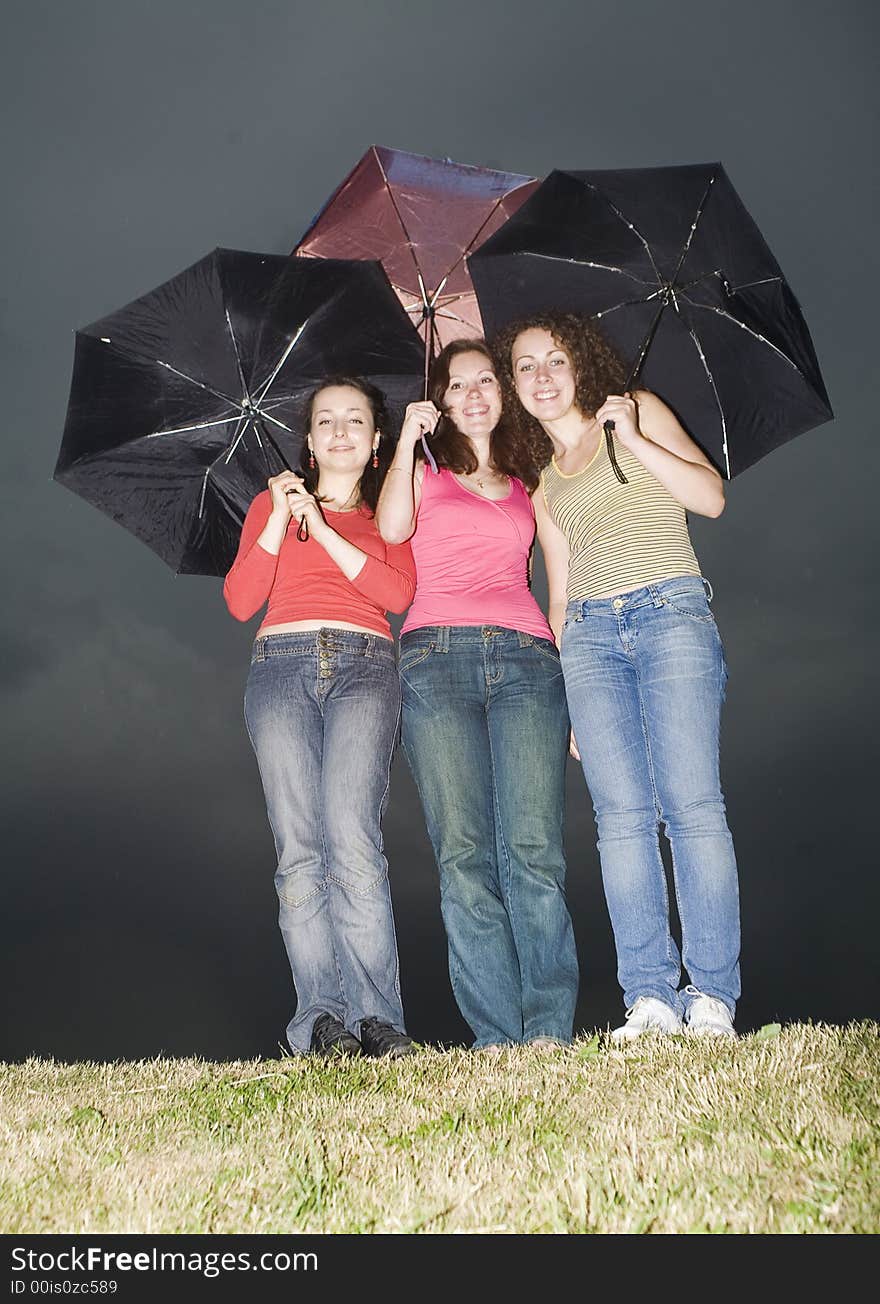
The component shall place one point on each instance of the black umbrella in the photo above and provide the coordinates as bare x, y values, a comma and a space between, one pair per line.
679, 278
185, 401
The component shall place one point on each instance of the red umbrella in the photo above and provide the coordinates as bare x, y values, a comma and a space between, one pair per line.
420, 217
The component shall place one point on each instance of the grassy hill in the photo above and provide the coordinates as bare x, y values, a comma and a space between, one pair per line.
774, 1133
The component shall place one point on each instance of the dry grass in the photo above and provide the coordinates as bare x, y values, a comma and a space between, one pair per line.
774, 1133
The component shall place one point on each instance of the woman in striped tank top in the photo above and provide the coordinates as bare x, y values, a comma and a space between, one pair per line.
485, 726
643, 663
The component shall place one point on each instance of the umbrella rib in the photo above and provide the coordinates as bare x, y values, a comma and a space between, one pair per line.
424, 293
244, 387
632, 227
584, 262
768, 280
208, 470
269, 417
711, 379
199, 425
697, 216
646, 344
709, 307
192, 380
285, 355
276, 403
225, 453
438, 307
409, 244
453, 316
239, 436
730, 289
627, 303
204, 487
470, 245
436, 293
440, 303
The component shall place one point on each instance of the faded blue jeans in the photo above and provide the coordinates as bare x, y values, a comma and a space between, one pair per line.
485, 731
644, 677
322, 711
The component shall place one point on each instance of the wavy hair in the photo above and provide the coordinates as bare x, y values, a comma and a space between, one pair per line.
508, 451
372, 477
598, 372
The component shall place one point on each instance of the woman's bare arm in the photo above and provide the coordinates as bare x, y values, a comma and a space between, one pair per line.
649, 429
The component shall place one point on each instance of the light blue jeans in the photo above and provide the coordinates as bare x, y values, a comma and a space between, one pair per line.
322, 712
644, 678
485, 731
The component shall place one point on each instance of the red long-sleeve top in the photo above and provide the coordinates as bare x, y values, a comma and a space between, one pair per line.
304, 583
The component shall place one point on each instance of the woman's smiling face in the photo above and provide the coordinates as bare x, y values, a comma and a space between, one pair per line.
543, 373
472, 399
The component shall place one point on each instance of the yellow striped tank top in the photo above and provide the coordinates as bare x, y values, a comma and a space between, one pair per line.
620, 536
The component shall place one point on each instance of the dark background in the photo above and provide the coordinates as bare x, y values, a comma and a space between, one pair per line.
139, 909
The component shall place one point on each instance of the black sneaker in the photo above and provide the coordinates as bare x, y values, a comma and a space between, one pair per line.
381, 1038
331, 1037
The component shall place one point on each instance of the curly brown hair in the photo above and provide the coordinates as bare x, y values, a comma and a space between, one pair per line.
509, 451
597, 367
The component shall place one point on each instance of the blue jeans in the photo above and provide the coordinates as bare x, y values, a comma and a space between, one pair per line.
322, 711
485, 731
644, 677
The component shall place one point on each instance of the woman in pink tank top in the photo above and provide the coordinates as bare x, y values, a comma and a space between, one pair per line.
485, 724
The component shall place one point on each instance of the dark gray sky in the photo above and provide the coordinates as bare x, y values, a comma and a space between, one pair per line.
139, 911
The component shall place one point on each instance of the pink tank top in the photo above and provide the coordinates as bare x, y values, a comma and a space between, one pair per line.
472, 558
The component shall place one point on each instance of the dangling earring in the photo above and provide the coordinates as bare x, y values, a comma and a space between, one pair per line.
311, 460
376, 457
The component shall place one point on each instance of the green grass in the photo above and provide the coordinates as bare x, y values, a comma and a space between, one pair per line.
774, 1133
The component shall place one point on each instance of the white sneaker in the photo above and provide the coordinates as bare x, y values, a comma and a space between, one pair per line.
707, 1016
647, 1015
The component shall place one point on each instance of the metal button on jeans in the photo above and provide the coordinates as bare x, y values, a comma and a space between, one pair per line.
617, 603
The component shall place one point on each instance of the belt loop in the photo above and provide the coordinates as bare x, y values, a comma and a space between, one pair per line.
656, 596
259, 649
710, 592
525, 640
441, 643
579, 611
369, 645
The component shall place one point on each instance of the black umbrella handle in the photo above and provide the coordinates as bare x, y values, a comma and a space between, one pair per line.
608, 427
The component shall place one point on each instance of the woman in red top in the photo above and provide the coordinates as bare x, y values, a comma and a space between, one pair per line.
322, 708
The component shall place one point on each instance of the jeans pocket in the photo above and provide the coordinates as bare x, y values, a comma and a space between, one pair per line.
546, 649
414, 656
688, 599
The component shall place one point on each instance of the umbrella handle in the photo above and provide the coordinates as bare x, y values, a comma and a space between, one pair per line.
429, 456
608, 427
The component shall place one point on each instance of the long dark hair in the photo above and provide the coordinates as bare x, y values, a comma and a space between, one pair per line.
597, 368
370, 483
508, 452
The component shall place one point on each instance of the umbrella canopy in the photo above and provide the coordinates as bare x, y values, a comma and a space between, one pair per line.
186, 400
678, 276
419, 217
